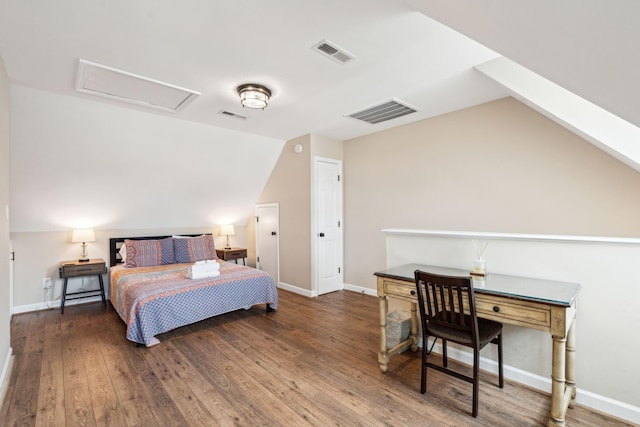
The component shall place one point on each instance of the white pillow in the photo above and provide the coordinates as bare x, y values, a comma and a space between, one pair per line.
123, 253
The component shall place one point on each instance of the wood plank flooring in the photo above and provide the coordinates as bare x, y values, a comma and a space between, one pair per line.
311, 363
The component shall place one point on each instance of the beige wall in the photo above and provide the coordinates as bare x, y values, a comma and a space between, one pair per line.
5, 303
326, 147
497, 167
288, 186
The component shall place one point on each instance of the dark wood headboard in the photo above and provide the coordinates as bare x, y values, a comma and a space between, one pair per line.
115, 243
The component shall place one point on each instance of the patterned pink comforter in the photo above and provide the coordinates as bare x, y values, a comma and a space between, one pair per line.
153, 300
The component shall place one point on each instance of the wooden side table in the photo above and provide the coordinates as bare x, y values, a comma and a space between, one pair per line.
93, 267
232, 253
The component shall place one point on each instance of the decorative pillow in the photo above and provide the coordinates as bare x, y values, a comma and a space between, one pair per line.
192, 249
168, 254
147, 253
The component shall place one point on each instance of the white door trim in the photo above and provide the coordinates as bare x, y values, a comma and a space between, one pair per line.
314, 221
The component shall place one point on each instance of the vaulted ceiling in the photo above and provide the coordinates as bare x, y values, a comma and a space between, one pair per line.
425, 53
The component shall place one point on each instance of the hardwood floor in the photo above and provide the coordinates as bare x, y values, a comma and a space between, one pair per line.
313, 362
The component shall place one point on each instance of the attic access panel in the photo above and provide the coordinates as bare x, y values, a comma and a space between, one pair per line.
108, 82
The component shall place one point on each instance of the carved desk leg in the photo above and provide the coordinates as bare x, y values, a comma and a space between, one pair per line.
558, 382
383, 356
571, 367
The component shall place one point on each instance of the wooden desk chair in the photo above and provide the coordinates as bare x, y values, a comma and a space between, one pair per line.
442, 300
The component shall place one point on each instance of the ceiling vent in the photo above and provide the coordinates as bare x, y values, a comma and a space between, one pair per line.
108, 82
330, 50
232, 114
383, 112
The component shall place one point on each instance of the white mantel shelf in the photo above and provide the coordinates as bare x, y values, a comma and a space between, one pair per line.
513, 236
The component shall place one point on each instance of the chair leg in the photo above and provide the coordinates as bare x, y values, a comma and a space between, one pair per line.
423, 373
476, 380
445, 359
500, 370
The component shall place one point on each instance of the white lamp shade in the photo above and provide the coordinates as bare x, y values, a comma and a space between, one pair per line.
227, 230
81, 236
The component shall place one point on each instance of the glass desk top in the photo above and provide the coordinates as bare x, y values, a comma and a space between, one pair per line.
524, 288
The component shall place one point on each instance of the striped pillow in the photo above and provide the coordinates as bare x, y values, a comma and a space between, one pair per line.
192, 249
147, 253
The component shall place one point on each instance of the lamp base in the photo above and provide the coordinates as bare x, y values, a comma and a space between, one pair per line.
83, 260
227, 247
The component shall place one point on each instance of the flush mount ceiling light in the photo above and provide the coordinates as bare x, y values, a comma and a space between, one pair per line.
253, 95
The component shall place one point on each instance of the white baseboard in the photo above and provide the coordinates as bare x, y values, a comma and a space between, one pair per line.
6, 375
597, 402
360, 290
296, 290
53, 304
312, 294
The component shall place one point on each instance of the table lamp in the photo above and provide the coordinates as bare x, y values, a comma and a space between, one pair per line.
227, 230
83, 236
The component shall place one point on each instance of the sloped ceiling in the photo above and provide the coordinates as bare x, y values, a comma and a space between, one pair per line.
589, 47
211, 47
575, 61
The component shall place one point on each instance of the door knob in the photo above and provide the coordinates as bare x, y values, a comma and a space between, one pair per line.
321, 234
273, 233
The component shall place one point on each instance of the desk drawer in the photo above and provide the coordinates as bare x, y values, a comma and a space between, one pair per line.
514, 312
406, 290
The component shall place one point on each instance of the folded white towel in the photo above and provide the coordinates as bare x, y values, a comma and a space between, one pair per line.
197, 275
207, 261
205, 268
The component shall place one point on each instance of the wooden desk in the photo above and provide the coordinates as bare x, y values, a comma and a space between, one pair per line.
539, 304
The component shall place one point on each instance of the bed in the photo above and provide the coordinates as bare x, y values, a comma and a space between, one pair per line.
151, 291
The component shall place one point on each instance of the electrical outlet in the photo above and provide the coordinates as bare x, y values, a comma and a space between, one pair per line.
46, 282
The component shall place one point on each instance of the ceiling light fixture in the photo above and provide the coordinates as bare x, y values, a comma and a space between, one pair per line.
253, 95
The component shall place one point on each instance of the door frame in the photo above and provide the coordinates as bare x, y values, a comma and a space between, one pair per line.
257, 233
314, 222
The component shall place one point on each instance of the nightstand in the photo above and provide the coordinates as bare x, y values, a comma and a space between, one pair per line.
232, 253
93, 267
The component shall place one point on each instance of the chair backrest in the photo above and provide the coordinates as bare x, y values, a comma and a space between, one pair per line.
442, 301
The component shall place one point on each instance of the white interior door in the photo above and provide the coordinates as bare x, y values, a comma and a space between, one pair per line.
267, 240
328, 225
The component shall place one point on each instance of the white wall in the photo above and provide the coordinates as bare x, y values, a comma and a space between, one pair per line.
39, 254
606, 358
5, 301
78, 163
